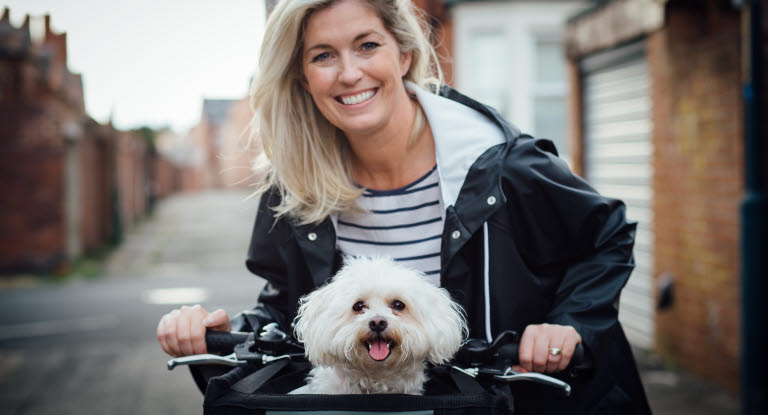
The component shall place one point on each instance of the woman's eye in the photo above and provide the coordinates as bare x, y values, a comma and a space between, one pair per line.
398, 305
368, 46
321, 57
358, 306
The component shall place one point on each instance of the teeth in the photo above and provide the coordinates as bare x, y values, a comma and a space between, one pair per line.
368, 345
356, 99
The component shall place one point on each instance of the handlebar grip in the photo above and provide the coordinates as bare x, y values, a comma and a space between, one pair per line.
581, 361
224, 342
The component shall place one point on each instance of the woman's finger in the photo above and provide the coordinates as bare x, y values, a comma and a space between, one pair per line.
218, 321
540, 351
197, 330
569, 346
554, 354
161, 335
171, 339
525, 353
183, 332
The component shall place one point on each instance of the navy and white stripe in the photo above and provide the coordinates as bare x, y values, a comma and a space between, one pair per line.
405, 224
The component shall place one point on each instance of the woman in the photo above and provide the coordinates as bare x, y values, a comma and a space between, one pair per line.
365, 159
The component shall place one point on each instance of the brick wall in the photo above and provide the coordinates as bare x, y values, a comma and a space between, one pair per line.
31, 214
97, 185
442, 37
69, 185
132, 183
575, 116
90, 190
166, 178
695, 64
193, 178
35, 103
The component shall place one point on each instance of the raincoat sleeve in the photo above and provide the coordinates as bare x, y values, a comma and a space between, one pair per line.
264, 260
572, 227
584, 238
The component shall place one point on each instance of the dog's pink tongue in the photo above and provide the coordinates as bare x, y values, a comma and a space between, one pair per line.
379, 350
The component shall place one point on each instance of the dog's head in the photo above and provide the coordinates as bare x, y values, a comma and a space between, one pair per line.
377, 313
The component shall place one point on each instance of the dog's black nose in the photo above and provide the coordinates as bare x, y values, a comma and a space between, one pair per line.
377, 324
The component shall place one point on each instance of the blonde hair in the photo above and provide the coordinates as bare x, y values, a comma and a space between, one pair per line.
305, 156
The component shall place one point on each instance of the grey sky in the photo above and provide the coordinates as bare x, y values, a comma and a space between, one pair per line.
152, 62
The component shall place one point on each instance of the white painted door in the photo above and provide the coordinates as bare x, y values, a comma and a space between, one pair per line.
617, 140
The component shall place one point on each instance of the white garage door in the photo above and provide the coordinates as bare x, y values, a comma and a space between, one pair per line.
617, 140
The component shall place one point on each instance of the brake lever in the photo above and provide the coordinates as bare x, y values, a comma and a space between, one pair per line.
241, 356
229, 360
510, 375
202, 359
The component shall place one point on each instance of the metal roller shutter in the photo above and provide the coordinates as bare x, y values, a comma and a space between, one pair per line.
617, 140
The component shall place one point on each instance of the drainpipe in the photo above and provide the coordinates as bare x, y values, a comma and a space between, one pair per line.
754, 249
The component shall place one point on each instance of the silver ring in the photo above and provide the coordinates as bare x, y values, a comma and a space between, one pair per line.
555, 351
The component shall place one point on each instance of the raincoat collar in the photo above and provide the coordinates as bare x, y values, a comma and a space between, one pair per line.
461, 135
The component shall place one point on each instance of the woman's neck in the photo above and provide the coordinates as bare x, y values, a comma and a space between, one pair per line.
388, 159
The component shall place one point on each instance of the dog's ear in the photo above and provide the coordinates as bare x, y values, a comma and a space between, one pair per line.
311, 323
316, 323
445, 324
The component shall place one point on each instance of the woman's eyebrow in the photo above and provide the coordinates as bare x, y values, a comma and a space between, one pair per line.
318, 46
365, 34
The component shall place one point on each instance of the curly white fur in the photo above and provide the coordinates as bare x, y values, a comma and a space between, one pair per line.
337, 337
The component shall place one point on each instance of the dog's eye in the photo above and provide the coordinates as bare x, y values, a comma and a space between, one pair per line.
358, 306
398, 305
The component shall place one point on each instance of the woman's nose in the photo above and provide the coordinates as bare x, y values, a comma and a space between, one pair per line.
350, 71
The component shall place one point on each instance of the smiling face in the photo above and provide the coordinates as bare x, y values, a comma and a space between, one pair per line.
353, 67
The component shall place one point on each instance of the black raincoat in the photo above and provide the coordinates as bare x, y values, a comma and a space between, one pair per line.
556, 252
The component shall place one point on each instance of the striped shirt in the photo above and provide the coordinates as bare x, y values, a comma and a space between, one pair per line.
405, 224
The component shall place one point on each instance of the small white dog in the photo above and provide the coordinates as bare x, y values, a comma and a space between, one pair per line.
374, 326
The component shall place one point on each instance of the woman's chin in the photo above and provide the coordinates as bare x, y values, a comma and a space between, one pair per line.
361, 126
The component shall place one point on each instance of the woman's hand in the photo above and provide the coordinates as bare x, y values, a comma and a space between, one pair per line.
540, 344
182, 331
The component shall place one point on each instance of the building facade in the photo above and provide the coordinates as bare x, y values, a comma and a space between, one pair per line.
70, 186
658, 121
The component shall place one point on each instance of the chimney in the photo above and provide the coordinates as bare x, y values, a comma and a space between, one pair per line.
55, 43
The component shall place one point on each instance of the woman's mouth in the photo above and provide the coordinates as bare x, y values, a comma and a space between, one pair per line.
357, 98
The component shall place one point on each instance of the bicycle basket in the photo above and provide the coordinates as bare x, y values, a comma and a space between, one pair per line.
244, 391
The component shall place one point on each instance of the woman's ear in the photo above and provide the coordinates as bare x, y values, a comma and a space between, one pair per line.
405, 62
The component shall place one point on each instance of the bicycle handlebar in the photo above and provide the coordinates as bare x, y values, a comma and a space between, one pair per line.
474, 358
224, 341
474, 353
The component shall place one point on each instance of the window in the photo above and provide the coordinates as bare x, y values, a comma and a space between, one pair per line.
488, 55
548, 96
